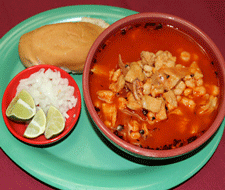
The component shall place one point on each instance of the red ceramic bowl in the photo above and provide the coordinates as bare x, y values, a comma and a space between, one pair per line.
202, 39
17, 129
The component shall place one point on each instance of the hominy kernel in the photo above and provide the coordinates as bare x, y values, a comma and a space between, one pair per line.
215, 90
133, 125
198, 75
190, 83
199, 82
199, 91
188, 91
185, 56
179, 98
195, 57
135, 135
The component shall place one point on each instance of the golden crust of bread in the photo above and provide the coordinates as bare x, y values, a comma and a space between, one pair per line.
64, 44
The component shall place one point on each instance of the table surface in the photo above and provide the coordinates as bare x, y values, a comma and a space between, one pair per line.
207, 15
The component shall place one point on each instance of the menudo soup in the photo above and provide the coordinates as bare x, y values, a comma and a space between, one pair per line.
154, 86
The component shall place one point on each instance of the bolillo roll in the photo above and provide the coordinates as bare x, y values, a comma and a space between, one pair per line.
64, 45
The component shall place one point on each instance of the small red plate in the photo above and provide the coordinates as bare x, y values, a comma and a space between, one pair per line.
17, 129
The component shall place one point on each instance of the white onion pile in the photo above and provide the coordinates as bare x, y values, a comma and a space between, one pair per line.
48, 88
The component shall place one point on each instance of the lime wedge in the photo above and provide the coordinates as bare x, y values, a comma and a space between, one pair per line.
37, 125
22, 107
55, 123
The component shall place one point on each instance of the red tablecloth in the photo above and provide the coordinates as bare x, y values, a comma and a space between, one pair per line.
208, 15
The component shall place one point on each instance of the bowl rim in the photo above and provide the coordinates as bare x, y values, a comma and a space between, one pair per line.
138, 151
67, 130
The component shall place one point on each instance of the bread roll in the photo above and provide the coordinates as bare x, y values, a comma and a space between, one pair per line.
64, 45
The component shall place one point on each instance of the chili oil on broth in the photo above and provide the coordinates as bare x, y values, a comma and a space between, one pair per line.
176, 130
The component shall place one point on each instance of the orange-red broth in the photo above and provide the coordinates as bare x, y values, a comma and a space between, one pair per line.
130, 42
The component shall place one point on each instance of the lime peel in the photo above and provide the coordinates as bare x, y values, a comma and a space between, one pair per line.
55, 123
37, 125
22, 107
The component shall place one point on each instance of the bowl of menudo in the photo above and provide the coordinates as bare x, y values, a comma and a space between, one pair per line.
154, 85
